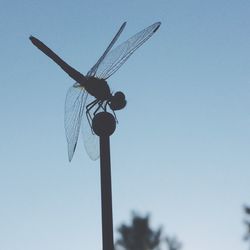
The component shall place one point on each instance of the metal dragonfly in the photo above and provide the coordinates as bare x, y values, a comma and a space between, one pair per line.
91, 91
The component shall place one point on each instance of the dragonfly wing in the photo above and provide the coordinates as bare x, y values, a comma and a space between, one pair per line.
90, 140
95, 67
118, 56
74, 108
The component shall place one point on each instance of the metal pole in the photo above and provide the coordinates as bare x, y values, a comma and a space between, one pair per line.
104, 125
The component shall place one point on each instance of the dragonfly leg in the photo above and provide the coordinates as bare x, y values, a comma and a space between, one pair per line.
94, 113
105, 106
90, 106
88, 109
89, 121
115, 116
108, 104
99, 106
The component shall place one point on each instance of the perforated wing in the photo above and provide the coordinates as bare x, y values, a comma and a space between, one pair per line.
95, 67
118, 56
74, 108
90, 140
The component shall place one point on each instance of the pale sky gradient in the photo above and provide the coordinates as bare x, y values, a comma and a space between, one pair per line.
181, 148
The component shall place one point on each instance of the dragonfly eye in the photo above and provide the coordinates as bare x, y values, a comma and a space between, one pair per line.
119, 95
118, 101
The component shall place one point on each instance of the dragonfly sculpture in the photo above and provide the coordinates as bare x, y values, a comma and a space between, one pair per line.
91, 92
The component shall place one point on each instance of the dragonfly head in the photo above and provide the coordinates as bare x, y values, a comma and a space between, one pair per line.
117, 101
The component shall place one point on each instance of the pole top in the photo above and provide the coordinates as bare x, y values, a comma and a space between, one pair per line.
104, 124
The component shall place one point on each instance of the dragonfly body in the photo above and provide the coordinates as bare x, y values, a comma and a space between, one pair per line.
94, 83
98, 88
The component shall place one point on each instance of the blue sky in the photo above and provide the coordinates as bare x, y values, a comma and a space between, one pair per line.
181, 148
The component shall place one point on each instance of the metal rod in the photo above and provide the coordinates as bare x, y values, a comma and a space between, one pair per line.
104, 125
106, 194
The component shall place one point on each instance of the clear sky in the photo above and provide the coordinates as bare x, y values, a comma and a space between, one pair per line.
181, 148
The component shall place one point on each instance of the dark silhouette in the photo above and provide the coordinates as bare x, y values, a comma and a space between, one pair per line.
173, 243
95, 84
247, 222
138, 235
104, 125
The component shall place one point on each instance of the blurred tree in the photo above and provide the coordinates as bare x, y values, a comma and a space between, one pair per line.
138, 235
247, 222
173, 243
